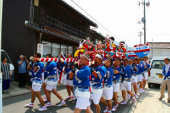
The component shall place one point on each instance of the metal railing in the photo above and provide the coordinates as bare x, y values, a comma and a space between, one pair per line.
60, 26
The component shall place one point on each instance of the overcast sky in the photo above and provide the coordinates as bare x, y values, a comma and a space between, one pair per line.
121, 18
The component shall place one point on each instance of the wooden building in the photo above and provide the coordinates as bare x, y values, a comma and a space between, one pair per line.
52, 22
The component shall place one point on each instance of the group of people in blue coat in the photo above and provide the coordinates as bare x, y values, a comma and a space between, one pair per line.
101, 81
97, 81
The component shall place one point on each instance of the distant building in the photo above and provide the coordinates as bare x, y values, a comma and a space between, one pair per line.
52, 22
159, 49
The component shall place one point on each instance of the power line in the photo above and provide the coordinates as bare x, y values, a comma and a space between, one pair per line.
96, 20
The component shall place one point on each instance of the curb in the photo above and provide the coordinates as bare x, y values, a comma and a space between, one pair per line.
24, 92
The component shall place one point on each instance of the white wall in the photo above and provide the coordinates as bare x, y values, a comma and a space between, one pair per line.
159, 52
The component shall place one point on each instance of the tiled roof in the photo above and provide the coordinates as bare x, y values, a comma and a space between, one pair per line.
159, 45
71, 8
38, 29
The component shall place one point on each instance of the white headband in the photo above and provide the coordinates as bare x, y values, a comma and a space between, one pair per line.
62, 54
99, 56
85, 57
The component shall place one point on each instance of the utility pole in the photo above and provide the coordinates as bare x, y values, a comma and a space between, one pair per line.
1, 10
140, 35
144, 24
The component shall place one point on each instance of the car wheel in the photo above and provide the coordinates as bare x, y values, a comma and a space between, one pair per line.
149, 85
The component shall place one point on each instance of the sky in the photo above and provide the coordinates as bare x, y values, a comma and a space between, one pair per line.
121, 17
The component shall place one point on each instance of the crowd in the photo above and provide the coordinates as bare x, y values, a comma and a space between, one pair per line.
97, 81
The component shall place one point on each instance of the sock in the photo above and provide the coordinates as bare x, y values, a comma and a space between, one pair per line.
31, 103
62, 101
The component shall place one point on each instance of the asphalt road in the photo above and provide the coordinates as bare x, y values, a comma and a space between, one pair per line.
16, 104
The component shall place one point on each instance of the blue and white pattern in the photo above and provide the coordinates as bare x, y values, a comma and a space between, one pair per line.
37, 82
81, 91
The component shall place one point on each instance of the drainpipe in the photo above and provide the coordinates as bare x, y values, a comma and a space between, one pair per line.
1, 10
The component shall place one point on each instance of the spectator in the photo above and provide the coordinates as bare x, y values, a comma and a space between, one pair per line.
6, 73
22, 70
48, 56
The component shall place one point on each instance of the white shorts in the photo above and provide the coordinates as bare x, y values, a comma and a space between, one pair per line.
82, 103
96, 97
36, 88
134, 79
140, 78
146, 75
68, 82
116, 87
125, 86
50, 87
108, 94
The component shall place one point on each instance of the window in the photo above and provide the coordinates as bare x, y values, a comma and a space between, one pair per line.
36, 3
158, 64
46, 48
64, 49
70, 49
55, 49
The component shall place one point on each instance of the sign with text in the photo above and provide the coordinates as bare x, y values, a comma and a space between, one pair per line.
142, 50
40, 49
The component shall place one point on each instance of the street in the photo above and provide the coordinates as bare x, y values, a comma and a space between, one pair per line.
147, 103
16, 104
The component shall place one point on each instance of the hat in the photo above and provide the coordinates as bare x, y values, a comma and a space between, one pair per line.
112, 38
21, 56
122, 42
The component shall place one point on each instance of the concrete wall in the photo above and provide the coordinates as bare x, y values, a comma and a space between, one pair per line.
159, 52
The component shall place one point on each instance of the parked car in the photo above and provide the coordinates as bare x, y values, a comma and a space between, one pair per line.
155, 74
4, 53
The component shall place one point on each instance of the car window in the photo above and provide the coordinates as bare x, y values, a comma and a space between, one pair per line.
158, 64
4, 54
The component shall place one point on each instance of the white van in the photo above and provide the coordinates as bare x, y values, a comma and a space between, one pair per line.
155, 74
4, 53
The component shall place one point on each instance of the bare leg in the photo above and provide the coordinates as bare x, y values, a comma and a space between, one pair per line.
98, 109
135, 87
140, 85
33, 96
144, 83
110, 104
129, 92
124, 95
88, 110
68, 90
103, 101
57, 94
38, 93
76, 110
115, 98
72, 89
48, 95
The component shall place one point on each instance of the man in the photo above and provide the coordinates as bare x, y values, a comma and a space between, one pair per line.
138, 72
44, 84
36, 85
108, 85
52, 80
166, 79
146, 69
22, 64
98, 73
133, 78
116, 81
126, 82
81, 83
142, 72
69, 82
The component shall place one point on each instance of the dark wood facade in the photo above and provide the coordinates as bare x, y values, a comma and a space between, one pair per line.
56, 20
